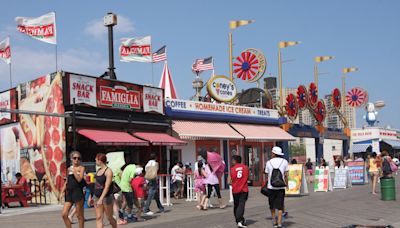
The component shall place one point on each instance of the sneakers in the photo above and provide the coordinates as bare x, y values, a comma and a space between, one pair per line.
149, 213
161, 211
240, 224
285, 214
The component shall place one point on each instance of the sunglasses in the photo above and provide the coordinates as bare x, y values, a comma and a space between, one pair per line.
76, 158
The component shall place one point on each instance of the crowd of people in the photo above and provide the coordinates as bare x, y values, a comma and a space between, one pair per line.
114, 195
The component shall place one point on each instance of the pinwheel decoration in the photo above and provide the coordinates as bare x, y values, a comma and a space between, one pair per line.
302, 95
320, 111
312, 95
291, 106
336, 98
356, 97
250, 65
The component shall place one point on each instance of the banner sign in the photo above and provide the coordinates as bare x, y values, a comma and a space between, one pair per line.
205, 107
8, 101
42, 28
341, 179
322, 180
297, 183
119, 95
135, 49
357, 172
221, 88
9, 152
153, 100
83, 89
5, 51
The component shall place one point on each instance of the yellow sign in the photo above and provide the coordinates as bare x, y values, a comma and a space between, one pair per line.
295, 179
221, 88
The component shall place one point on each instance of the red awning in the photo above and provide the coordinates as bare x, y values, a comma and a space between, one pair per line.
262, 133
160, 139
112, 138
201, 130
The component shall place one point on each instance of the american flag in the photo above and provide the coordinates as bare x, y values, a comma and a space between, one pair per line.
160, 55
203, 64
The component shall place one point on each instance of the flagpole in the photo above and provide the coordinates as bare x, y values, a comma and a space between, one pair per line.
152, 73
56, 59
55, 22
10, 77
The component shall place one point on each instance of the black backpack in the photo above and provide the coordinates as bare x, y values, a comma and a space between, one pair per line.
277, 177
386, 168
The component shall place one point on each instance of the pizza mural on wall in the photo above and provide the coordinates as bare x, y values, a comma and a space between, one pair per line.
44, 136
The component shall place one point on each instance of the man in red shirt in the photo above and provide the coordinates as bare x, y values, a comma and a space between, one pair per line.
240, 189
21, 181
138, 185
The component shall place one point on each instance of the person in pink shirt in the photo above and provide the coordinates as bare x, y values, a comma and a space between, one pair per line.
212, 182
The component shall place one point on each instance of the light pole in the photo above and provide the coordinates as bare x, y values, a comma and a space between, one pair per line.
345, 71
317, 60
233, 25
110, 20
282, 44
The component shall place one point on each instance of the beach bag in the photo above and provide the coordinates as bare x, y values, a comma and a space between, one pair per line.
277, 177
151, 172
393, 166
115, 188
264, 189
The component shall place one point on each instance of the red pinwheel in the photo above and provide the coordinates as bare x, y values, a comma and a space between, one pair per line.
291, 106
302, 95
313, 94
356, 97
247, 66
320, 111
336, 98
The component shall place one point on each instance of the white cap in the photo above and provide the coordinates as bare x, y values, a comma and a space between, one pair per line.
277, 150
138, 171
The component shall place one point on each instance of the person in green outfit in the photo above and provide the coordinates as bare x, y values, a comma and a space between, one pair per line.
127, 175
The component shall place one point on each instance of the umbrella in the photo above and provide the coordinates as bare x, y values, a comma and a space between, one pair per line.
216, 162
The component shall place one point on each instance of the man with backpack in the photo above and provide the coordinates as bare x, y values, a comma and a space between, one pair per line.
277, 169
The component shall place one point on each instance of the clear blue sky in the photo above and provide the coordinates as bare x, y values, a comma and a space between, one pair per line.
360, 33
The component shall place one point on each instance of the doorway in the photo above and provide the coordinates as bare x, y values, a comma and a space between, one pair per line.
252, 158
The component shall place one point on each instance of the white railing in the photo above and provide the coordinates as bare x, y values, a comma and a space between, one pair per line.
165, 189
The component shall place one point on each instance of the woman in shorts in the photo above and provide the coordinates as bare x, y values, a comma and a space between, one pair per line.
73, 190
103, 197
373, 171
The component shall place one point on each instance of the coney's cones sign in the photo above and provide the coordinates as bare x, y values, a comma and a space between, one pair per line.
42, 28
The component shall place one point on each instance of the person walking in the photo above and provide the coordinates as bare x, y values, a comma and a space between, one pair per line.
309, 167
277, 169
73, 190
125, 184
138, 186
151, 169
177, 179
103, 192
372, 166
199, 186
240, 190
212, 182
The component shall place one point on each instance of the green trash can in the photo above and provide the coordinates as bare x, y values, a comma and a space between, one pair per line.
388, 188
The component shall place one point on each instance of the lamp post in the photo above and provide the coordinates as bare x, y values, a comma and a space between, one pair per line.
317, 60
233, 25
282, 44
110, 20
345, 71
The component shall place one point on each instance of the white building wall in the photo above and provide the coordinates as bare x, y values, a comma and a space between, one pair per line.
188, 152
332, 147
310, 148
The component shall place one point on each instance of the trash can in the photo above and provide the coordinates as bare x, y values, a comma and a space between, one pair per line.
388, 188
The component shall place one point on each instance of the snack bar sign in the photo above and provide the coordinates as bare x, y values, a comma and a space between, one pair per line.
184, 105
83, 89
153, 100
119, 97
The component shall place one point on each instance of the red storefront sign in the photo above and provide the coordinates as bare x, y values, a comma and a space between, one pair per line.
119, 95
